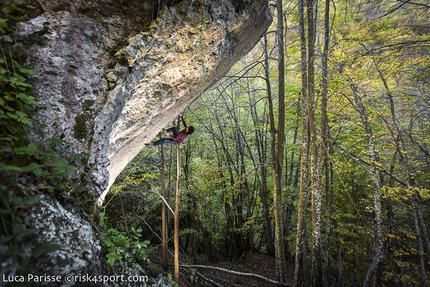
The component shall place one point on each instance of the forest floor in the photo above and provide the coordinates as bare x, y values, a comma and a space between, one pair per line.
252, 263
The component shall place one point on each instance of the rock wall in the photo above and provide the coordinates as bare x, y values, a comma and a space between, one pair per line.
110, 75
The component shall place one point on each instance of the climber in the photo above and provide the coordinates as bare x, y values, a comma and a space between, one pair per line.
173, 135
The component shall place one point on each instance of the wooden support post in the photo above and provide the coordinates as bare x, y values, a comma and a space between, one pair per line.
176, 216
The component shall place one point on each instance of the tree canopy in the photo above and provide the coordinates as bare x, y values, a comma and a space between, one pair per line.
357, 114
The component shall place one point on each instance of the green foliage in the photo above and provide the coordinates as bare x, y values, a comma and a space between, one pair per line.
12, 224
16, 98
224, 162
123, 247
25, 168
17, 103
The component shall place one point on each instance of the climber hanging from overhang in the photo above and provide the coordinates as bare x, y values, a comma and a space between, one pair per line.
173, 135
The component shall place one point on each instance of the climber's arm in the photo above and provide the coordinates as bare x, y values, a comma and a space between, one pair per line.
183, 120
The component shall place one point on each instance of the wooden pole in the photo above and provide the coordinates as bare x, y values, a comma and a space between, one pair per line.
176, 216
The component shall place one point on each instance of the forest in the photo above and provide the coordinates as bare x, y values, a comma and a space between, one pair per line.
314, 150
309, 164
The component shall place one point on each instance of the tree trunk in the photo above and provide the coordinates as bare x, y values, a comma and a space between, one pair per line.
301, 224
277, 194
321, 163
378, 244
340, 268
164, 239
420, 244
176, 217
316, 274
261, 148
328, 203
399, 141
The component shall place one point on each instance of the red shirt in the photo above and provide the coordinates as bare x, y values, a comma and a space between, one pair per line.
179, 138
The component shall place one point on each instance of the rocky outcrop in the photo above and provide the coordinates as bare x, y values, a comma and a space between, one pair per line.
80, 246
109, 78
112, 73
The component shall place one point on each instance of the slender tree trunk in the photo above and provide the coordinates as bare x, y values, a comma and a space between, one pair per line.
277, 195
261, 147
420, 244
422, 225
301, 224
176, 217
328, 203
404, 158
378, 244
316, 276
290, 179
318, 280
340, 268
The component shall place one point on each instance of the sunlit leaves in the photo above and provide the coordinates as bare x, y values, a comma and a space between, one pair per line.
363, 33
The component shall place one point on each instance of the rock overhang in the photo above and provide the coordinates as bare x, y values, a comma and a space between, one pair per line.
110, 78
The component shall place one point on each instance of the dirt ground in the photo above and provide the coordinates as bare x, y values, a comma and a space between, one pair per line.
251, 263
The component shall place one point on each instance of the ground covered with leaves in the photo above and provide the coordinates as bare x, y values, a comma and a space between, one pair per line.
250, 264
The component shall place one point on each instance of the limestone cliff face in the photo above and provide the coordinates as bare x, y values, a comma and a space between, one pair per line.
189, 48
112, 73
109, 77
